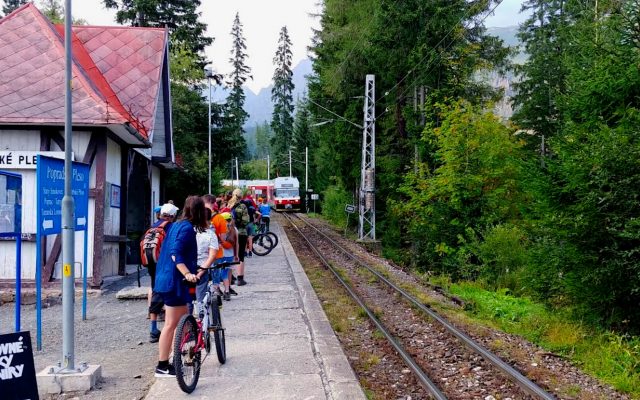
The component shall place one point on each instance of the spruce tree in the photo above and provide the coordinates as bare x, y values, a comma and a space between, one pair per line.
282, 98
542, 77
235, 115
10, 5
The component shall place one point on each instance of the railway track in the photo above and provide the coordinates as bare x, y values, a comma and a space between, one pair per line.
446, 362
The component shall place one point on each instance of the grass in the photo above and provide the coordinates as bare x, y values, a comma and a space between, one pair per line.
610, 357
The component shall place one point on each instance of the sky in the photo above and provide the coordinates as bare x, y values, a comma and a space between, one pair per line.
262, 21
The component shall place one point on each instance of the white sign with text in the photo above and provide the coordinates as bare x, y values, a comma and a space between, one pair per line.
24, 159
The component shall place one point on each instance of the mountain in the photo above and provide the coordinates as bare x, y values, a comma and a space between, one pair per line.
259, 106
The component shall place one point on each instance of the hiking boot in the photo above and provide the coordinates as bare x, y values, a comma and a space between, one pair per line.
167, 372
226, 296
154, 337
241, 282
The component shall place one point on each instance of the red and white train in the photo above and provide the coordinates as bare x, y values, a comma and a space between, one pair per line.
286, 194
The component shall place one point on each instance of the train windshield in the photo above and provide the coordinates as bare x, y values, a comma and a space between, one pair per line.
289, 192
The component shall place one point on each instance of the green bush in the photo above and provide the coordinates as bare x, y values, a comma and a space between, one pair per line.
334, 200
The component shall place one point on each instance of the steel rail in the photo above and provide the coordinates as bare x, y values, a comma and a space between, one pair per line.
419, 373
513, 374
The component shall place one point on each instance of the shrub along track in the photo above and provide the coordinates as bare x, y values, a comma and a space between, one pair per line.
433, 346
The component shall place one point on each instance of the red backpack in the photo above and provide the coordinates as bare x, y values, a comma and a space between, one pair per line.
151, 243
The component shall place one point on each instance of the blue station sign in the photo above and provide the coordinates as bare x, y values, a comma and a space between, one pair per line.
50, 183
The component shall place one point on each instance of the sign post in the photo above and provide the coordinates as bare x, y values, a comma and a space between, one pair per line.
349, 209
11, 225
50, 176
314, 197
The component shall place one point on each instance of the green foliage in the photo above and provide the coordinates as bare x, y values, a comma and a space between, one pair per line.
335, 197
10, 5
254, 169
476, 184
611, 357
543, 75
179, 16
263, 138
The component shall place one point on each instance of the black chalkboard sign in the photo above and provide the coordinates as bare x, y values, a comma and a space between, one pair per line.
17, 372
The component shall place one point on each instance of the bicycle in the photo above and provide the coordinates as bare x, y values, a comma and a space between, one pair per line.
264, 241
192, 336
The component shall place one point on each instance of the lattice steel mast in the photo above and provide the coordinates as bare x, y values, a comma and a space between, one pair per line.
367, 225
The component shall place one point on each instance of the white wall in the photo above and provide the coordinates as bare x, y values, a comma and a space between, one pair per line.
155, 190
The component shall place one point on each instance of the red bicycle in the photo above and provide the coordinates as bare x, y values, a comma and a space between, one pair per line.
194, 335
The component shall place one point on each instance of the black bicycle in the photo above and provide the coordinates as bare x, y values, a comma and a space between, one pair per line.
192, 336
264, 241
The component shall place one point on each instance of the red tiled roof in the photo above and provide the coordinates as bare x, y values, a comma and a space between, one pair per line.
130, 59
116, 72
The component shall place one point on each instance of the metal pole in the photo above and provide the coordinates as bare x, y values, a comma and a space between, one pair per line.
209, 192
290, 173
68, 246
306, 179
268, 168
237, 172
18, 278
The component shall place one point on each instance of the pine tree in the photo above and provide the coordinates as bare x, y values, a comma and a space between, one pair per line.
282, 98
235, 114
542, 77
10, 5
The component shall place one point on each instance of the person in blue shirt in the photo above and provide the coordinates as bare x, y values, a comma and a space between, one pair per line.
264, 209
178, 261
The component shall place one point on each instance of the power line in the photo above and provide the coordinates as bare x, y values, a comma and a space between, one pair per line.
466, 14
336, 115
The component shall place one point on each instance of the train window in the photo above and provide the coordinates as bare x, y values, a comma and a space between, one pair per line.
287, 193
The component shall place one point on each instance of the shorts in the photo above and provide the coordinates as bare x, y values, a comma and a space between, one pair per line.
251, 229
172, 299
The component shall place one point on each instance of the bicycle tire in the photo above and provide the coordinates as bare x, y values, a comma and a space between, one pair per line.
274, 238
218, 334
262, 244
186, 360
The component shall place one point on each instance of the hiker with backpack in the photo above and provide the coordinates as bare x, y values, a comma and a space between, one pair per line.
240, 215
150, 246
252, 208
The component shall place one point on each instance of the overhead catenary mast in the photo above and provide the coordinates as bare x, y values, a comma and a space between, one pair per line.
367, 223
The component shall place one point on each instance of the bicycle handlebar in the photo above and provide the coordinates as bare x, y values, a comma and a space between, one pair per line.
219, 266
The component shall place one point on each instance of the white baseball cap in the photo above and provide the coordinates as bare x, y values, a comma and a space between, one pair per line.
169, 209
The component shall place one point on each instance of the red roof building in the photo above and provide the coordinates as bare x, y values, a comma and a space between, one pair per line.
121, 112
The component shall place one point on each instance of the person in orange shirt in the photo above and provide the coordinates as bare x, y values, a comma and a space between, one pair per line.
219, 224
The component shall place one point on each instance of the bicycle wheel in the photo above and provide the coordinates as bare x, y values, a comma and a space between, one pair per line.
186, 360
218, 333
274, 238
262, 244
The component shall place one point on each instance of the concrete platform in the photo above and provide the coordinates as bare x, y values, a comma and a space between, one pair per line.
280, 344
